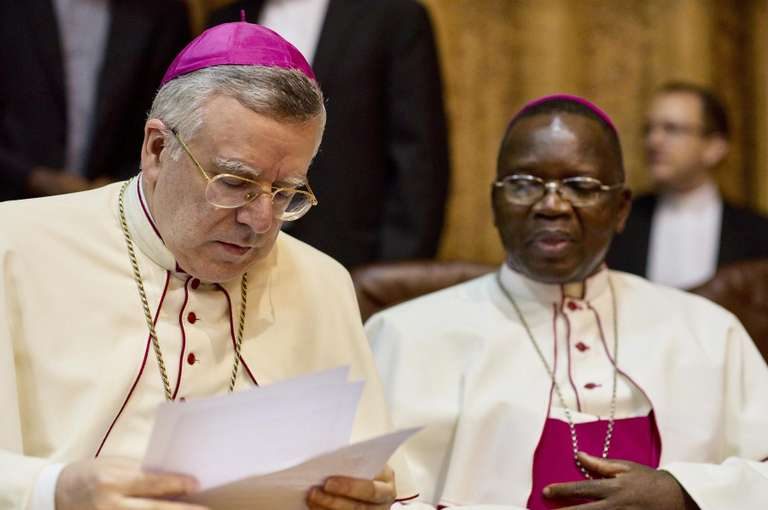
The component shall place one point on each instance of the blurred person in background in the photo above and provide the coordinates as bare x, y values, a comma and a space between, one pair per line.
382, 173
680, 234
79, 79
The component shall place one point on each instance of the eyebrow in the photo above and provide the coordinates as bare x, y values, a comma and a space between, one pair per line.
236, 167
241, 169
580, 170
291, 182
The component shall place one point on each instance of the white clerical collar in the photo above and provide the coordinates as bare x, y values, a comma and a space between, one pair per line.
143, 228
697, 199
525, 289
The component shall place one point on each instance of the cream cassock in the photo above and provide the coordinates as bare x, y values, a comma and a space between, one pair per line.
78, 376
460, 362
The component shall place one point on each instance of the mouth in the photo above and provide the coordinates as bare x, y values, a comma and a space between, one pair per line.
552, 243
234, 249
655, 158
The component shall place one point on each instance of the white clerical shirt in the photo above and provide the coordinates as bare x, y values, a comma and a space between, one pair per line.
83, 32
685, 237
300, 22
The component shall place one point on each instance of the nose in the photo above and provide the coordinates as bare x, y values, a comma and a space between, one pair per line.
257, 214
552, 204
653, 136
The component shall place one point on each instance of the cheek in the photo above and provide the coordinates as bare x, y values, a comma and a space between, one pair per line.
600, 226
512, 232
507, 217
195, 223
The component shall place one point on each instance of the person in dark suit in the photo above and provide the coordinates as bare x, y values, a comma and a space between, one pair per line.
79, 79
682, 233
382, 173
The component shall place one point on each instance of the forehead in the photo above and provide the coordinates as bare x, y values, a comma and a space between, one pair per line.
277, 148
676, 106
558, 145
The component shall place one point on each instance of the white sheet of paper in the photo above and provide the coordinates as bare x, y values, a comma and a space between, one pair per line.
227, 438
287, 489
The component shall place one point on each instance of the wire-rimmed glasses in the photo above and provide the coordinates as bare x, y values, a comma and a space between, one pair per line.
230, 191
522, 189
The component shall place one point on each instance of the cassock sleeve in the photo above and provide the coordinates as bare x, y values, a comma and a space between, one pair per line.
421, 391
741, 481
18, 472
406, 387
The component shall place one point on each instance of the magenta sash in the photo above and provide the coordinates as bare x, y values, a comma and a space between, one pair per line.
634, 439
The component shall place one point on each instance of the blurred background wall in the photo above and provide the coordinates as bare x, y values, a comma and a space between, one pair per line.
498, 54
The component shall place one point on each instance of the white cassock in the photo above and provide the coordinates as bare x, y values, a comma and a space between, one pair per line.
78, 375
460, 362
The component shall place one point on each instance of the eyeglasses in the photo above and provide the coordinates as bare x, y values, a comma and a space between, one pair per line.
674, 129
230, 191
579, 191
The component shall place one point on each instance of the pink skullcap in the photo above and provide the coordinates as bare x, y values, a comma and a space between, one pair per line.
239, 43
567, 97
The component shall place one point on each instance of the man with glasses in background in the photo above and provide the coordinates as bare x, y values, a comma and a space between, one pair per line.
555, 382
683, 232
175, 284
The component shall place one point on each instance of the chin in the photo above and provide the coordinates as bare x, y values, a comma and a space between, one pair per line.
554, 274
220, 269
662, 177
215, 271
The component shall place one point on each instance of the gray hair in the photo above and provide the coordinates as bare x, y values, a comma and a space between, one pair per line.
282, 94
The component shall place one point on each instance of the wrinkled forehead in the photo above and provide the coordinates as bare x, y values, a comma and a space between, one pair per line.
558, 137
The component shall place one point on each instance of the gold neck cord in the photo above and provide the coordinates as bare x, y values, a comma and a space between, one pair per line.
148, 313
569, 417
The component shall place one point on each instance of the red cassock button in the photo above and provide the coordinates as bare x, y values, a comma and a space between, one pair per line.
195, 283
191, 317
581, 346
191, 359
182, 399
592, 386
573, 306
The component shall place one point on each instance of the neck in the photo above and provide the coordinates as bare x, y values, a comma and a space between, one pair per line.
573, 289
690, 186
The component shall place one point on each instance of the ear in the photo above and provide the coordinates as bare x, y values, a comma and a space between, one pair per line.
715, 150
625, 207
151, 150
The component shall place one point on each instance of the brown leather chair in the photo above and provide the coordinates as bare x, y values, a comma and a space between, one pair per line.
382, 285
742, 288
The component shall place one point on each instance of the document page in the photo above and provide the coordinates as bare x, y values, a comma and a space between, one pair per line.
265, 447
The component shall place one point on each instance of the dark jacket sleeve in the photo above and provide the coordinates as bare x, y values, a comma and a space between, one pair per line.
170, 31
14, 172
417, 140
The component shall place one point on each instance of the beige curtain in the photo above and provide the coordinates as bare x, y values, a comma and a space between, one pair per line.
497, 54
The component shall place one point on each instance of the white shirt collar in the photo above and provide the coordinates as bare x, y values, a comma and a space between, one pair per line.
525, 289
143, 228
701, 198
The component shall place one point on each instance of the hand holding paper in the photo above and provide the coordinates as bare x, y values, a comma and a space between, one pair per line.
266, 447
339, 491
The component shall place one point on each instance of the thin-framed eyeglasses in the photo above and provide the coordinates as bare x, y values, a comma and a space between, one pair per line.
674, 129
229, 191
523, 189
